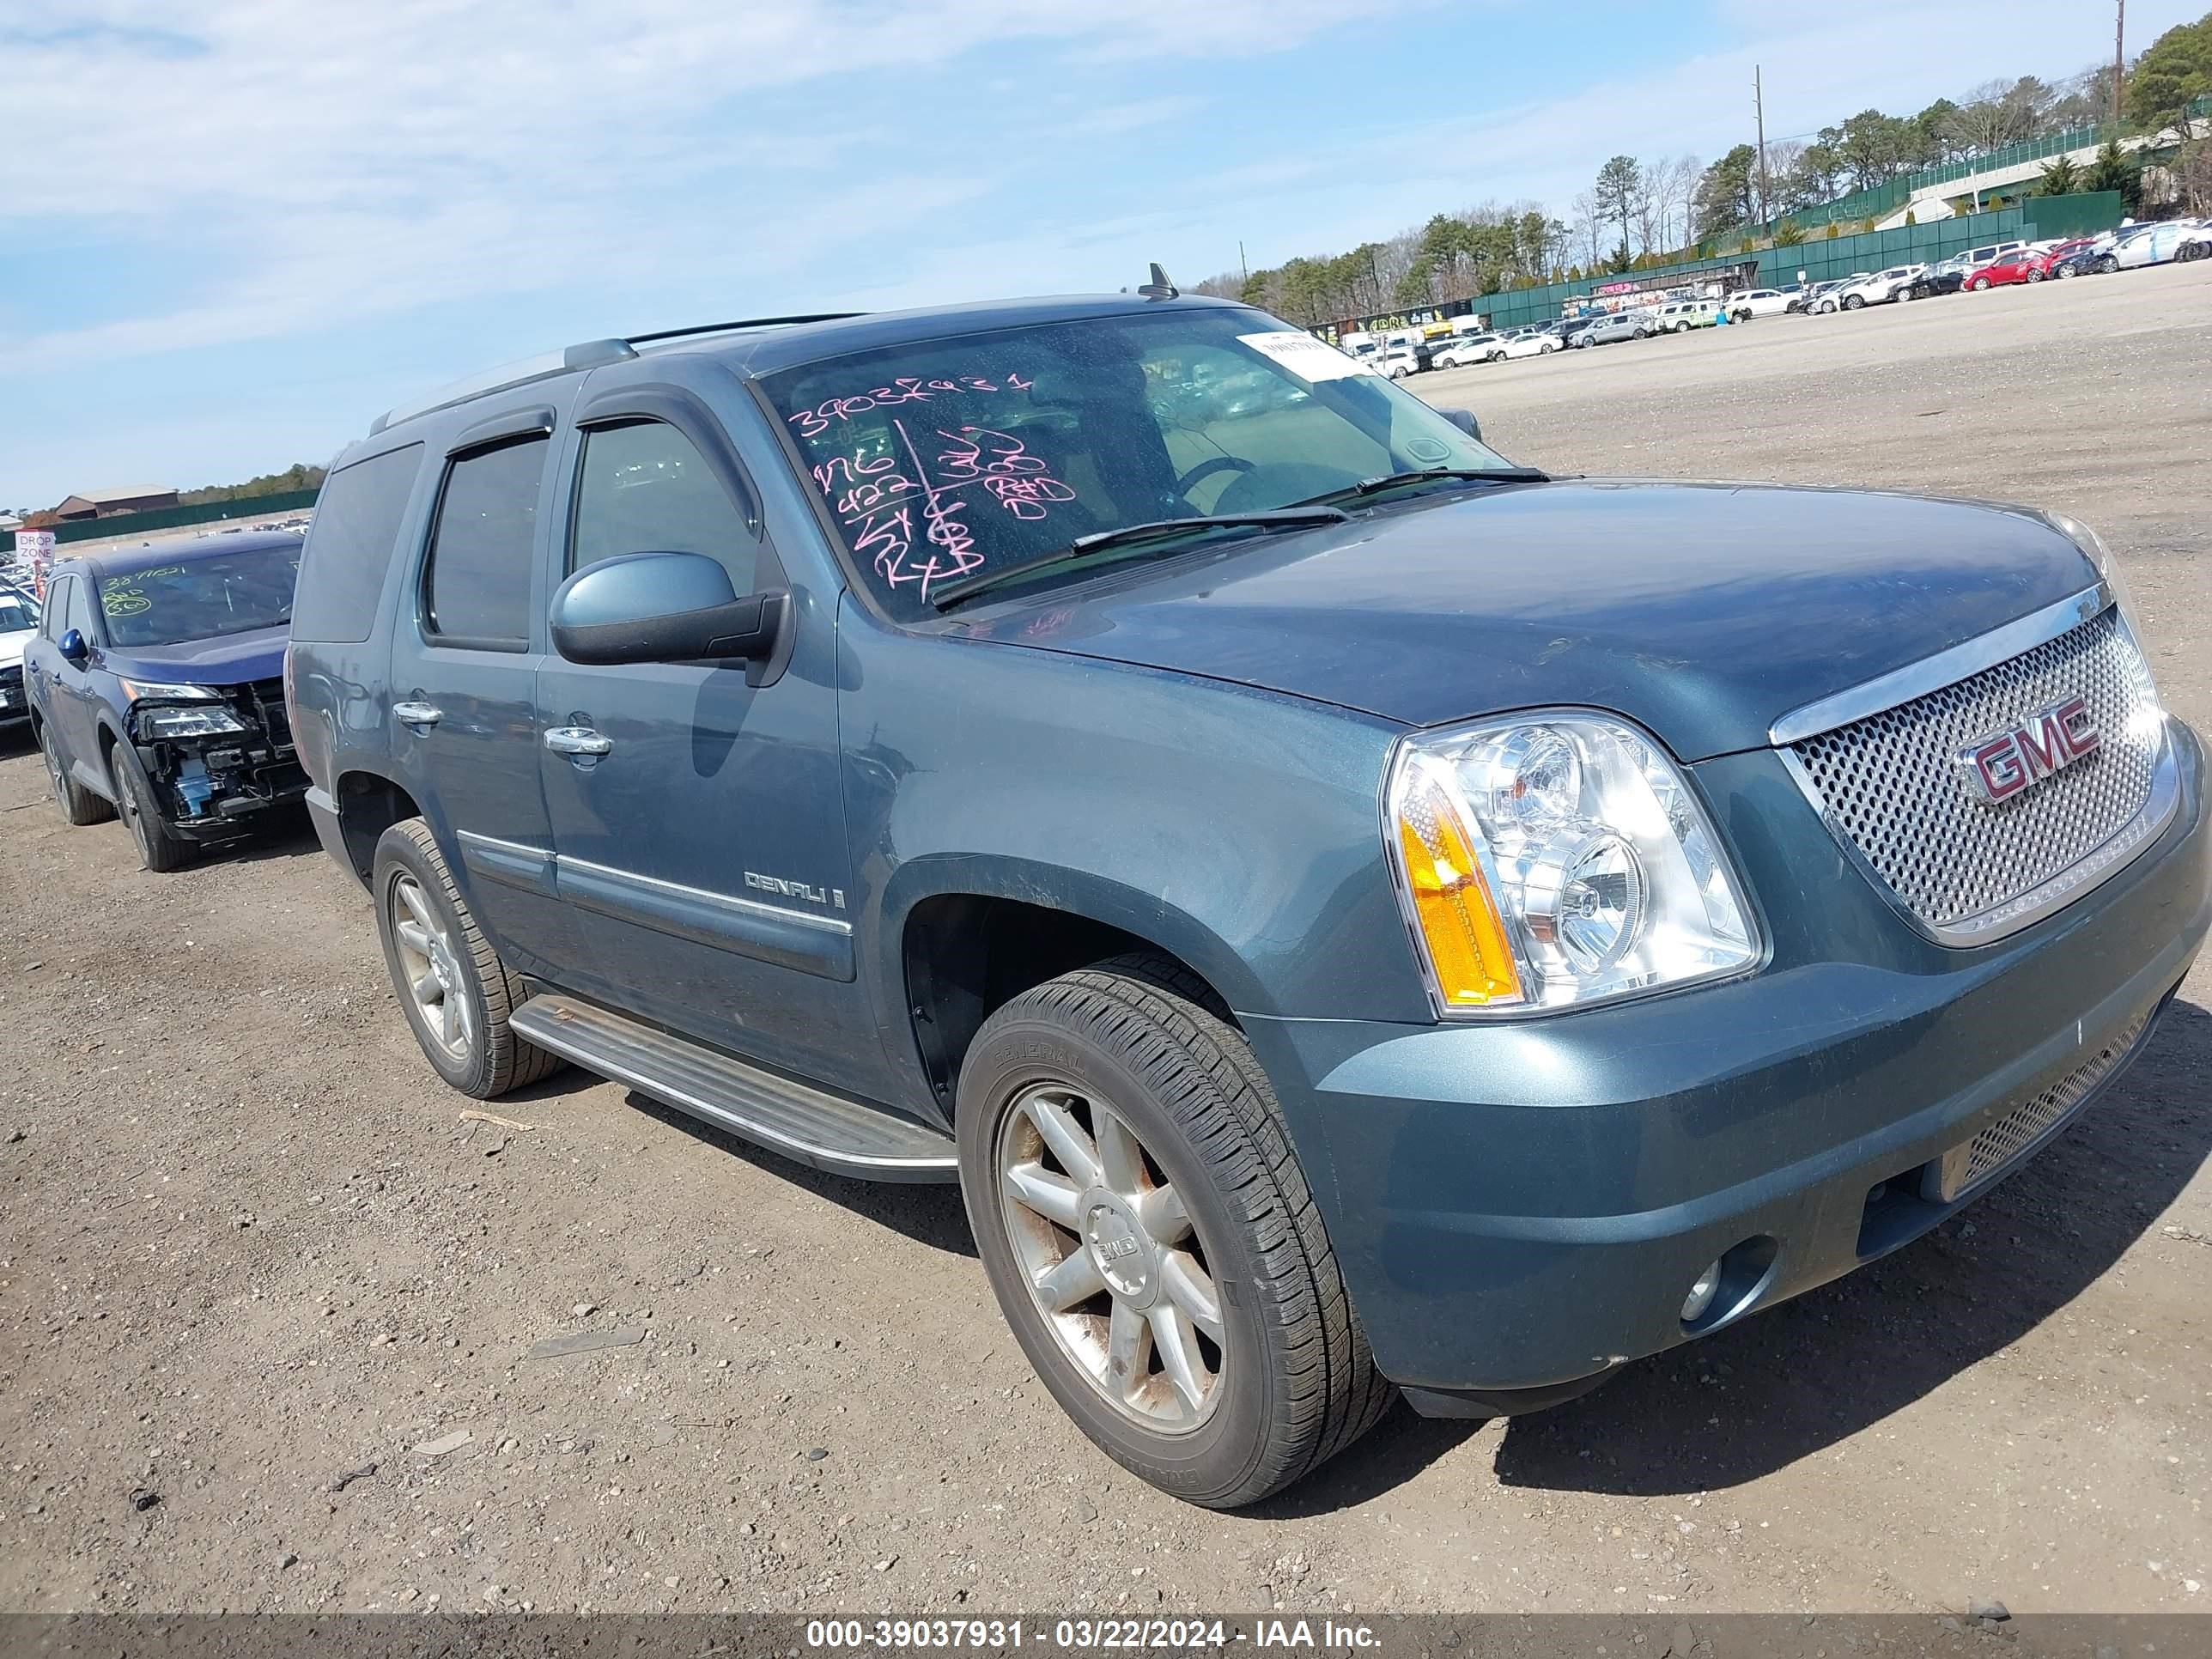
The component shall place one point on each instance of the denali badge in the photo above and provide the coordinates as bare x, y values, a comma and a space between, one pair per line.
1999, 766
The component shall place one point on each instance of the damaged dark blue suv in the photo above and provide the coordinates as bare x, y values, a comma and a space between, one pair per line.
156, 692
1353, 914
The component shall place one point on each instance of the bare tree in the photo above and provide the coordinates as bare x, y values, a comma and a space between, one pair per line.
1589, 233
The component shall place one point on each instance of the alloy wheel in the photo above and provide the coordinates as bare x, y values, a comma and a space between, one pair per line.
1113, 1262
432, 969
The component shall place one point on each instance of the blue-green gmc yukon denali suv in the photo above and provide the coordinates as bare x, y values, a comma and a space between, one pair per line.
1353, 914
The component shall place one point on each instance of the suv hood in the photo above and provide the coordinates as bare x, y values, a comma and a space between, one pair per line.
12, 644
228, 660
1704, 611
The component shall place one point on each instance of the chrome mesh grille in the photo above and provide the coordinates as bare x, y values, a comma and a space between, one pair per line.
2002, 1141
1892, 783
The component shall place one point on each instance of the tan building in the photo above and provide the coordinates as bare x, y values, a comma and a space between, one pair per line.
111, 503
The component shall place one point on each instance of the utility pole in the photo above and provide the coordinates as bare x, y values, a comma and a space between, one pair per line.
1242, 264
2119, 58
1758, 111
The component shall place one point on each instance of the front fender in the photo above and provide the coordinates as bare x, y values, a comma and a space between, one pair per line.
1238, 829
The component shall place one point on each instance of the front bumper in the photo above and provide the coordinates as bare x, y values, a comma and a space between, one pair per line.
211, 790
1520, 1207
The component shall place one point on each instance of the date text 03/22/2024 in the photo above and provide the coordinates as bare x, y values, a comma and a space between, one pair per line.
1169, 1635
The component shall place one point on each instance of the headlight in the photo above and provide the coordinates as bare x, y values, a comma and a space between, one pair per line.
162, 691
1550, 860
185, 722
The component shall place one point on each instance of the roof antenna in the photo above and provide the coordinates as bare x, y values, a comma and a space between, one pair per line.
1159, 288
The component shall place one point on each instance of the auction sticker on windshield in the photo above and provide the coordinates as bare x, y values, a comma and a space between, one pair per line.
1310, 360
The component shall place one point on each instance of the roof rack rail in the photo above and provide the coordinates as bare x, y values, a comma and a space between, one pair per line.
745, 322
588, 354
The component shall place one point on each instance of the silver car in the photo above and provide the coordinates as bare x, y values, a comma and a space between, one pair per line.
1604, 330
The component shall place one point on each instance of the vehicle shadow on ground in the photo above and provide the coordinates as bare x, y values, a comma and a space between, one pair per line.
929, 1214
288, 834
1790, 1383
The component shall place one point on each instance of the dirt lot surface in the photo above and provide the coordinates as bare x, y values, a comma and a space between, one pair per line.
257, 1263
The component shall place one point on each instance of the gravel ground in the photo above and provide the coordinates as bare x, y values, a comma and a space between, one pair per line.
261, 1269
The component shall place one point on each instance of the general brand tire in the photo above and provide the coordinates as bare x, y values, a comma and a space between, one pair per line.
79, 806
138, 806
2107, 266
1138, 1045
2033, 275
1980, 284
488, 1059
1852, 303
2067, 270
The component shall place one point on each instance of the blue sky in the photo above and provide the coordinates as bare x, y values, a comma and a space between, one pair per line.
231, 231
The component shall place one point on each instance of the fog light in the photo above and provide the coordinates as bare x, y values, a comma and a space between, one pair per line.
1701, 1294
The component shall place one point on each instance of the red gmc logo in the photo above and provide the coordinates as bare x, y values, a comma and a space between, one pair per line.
2002, 764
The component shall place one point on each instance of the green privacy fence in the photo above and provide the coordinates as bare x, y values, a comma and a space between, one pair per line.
172, 518
1823, 259
1882, 199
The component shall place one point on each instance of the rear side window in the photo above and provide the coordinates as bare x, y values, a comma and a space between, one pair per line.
476, 588
350, 546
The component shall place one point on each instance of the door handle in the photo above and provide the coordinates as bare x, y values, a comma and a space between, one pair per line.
577, 740
417, 713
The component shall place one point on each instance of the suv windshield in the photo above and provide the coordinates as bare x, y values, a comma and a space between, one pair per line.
947, 457
229, 594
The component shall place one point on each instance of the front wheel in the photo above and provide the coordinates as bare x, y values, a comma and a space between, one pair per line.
1854, 303
1151, 1237
2065, 271
1978, 285
138, 804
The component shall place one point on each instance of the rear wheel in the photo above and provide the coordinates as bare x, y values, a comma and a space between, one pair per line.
2034, 274
79, 806
139, 806
1151, 1237
2107, 266
456, 992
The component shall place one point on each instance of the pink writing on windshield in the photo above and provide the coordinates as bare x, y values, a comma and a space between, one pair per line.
907, 389
875, 498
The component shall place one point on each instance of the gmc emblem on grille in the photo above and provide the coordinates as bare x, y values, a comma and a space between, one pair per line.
1999, 766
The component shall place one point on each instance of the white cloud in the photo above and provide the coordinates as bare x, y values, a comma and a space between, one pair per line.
304, 164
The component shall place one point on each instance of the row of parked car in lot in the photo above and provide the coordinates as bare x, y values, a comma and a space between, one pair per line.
1997, 264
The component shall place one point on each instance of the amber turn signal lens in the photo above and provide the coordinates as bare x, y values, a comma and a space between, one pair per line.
1459, 920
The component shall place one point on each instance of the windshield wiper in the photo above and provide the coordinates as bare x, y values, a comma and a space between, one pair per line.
1367, 487
1304, 516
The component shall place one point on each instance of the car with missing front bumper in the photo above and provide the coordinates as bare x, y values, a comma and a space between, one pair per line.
155, 691
1353, 914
